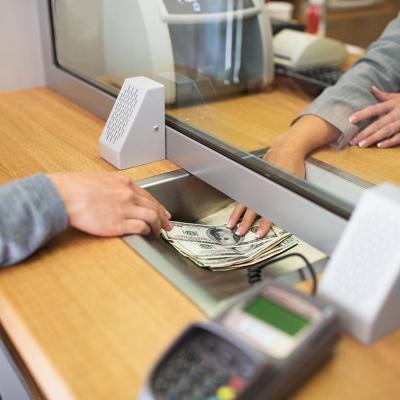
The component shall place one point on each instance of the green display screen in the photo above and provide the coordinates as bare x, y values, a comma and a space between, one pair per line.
276, 315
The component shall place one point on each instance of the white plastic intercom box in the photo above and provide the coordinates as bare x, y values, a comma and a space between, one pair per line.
134, 133
362, 278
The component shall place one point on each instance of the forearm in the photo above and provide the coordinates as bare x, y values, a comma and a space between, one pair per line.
352, 92
307, 134
288, 153
31, 212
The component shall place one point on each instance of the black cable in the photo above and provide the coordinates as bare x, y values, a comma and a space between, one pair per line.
254, 272
254, 275
302, 274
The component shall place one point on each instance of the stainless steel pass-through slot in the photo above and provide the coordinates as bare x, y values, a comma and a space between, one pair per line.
188, 199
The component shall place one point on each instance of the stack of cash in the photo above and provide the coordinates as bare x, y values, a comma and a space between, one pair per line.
218, 248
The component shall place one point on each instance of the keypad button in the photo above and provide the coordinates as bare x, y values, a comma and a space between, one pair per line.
172, 375
197, 395
226, 393
209, 387
237, 383
161, 384
181, 364
246, 370
202, 368
192, 355
185, 386
210, 344
221, 378
227, 359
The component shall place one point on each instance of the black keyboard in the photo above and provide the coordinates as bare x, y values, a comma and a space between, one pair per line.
318, 78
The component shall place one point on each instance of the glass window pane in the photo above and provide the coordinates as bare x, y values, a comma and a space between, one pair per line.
215, 59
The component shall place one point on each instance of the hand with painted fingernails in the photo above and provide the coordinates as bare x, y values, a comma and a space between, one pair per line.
278, 157
242, 218
385, 130
287, 152
294, 165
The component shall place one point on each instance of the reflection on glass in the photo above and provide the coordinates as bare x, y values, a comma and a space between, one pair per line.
215, 59
201, 50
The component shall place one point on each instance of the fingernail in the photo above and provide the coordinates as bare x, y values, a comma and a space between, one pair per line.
238, 232
259, 233
229, 224
353, 142
380, 144
363, 143
168, 214
351, 119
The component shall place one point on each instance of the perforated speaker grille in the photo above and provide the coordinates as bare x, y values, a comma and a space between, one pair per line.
122, 112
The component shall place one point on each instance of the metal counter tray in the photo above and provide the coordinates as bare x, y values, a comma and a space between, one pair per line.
189, 199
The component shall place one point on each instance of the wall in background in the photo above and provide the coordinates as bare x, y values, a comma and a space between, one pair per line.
79, 34
21, 64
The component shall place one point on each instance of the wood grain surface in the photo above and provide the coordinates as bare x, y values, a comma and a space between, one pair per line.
88, 315
251, 122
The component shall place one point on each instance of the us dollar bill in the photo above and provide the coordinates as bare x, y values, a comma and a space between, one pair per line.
216, 251
215, 234
236, 263
241, 260
218, 248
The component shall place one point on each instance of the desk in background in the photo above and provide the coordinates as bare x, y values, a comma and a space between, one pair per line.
87, 315
237, 121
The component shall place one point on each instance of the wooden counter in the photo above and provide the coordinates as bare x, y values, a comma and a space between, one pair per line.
251, 122
88, 315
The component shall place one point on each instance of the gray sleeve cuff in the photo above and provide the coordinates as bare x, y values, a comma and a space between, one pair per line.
352, 92
338, 116
39, 190
31, 213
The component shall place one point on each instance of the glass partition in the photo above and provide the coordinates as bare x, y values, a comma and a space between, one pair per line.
215, 59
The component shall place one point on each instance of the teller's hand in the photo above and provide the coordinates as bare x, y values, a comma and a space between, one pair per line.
283, 158
385, 131
288, 152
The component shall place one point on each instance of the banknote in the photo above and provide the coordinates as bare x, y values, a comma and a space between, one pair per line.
215, 234
241, 260
218, 248
208, 251
235, 263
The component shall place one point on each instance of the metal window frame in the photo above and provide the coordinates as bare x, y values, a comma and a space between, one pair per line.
290, 202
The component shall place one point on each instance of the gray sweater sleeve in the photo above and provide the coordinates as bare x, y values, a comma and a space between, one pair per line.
31, 212
380, 66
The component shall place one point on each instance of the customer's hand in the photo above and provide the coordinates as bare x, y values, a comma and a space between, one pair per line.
109, 204
288, 152
385, 130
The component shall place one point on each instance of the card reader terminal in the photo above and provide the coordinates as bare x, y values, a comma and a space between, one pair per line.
261, 347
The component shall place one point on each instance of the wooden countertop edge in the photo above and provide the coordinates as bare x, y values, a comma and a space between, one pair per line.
42, 369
